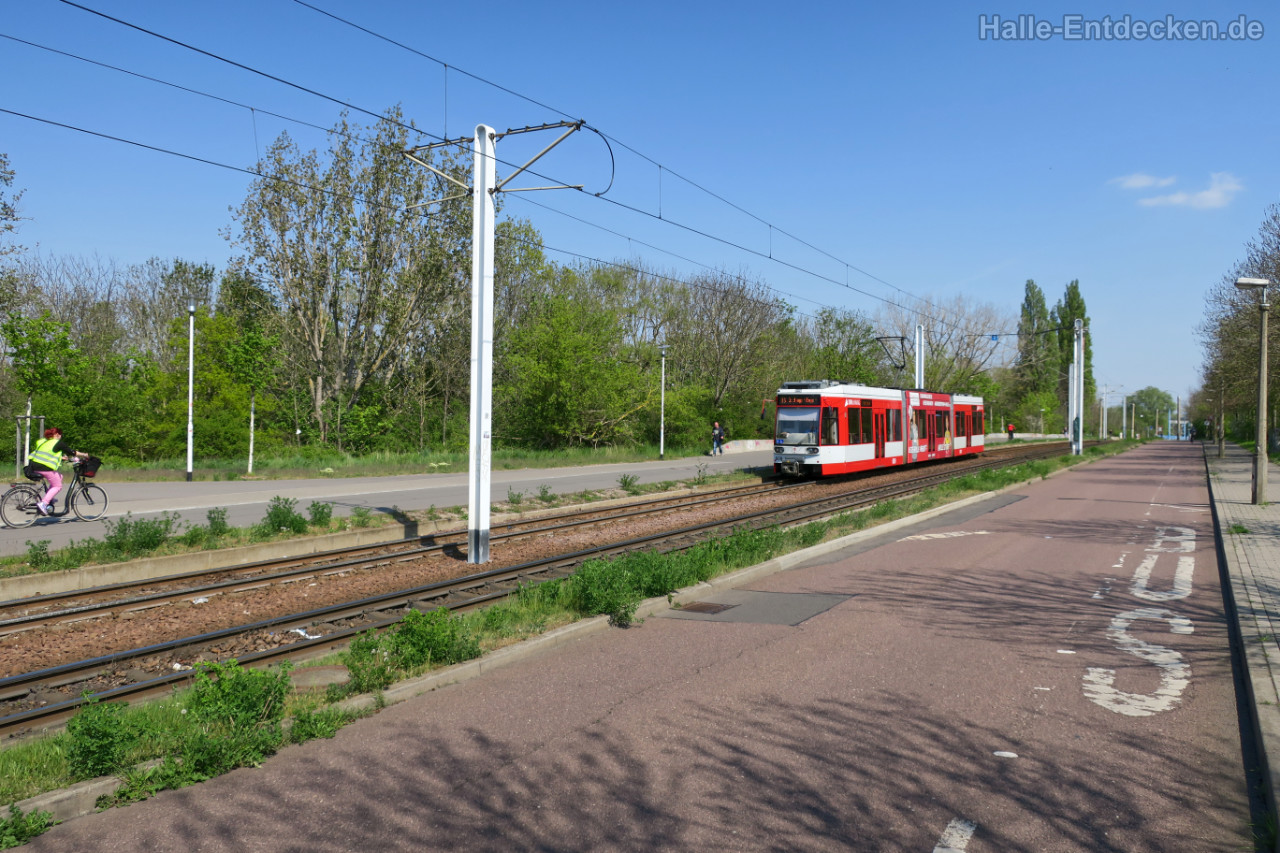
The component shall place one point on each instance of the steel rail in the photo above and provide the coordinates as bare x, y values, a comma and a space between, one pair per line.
251, 575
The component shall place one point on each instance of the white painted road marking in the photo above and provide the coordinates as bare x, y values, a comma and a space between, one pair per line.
1181, 579
955, 838
1175, 675
951, 535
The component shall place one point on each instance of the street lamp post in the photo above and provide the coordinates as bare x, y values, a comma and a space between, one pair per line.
662, 405
191, 379
1260, 452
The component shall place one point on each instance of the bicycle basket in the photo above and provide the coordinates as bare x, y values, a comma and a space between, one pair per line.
90, 466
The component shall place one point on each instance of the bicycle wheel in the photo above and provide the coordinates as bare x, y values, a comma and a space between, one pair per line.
18, 507
90, 502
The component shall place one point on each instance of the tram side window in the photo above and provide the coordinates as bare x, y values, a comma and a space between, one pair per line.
919, 424
830, 425
977, 424
894, 425
860, 426
962, 425
943, 423
855, 426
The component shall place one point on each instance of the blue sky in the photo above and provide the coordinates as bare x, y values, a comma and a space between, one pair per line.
895, 143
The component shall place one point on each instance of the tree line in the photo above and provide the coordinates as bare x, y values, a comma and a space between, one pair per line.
1230, 332
341, 322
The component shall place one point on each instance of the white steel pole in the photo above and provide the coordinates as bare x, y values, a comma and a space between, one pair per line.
484, 179
1079, 356
662, 409
191, 383
919, 357
1260, 457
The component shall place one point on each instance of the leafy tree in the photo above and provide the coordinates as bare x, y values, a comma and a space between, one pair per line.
1229, 332
252, 354
1038, 364
568, 381
9, 218
845, 347
253, 360
39, 349
1151, 407
724, 326
1065, 313
9, 283
347, 256
1039, 412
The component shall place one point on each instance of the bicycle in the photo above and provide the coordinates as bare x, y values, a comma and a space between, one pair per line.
87, 500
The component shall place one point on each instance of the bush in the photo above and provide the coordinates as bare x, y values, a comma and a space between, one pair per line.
195, 536
217, 518
228, 695
367, 663
435, 637
320, 513
98, 739
134, 537
361, 516
419, 639
605, 588
281, 517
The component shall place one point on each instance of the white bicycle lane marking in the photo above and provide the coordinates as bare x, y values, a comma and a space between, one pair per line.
1175, 673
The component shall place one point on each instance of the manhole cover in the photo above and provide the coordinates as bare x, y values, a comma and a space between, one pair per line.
706, 607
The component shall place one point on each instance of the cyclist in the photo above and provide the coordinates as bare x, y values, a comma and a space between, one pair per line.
46, 459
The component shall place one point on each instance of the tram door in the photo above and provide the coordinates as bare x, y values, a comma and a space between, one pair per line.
879, 426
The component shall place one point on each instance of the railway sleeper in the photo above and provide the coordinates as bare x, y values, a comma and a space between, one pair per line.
75, 678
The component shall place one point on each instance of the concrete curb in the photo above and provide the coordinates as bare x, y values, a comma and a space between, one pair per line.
1251, 622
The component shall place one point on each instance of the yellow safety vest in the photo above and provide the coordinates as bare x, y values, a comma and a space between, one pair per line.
44, 455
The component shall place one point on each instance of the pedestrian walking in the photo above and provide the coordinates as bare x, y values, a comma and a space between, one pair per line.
717, 439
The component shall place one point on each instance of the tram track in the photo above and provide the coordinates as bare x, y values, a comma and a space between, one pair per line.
98, 602
45, 698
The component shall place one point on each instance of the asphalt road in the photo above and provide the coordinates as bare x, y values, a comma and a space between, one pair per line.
246, 501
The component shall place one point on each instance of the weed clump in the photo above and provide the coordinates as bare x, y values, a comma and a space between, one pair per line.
418, 640
98, 739
19, 828
320, 513
281, 517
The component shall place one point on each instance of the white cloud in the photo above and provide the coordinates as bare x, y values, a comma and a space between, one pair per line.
1140, 181
1222, 186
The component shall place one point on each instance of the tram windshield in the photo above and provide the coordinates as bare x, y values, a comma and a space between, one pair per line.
797, 426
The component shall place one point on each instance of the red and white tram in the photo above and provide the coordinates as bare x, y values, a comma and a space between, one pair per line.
827, 427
